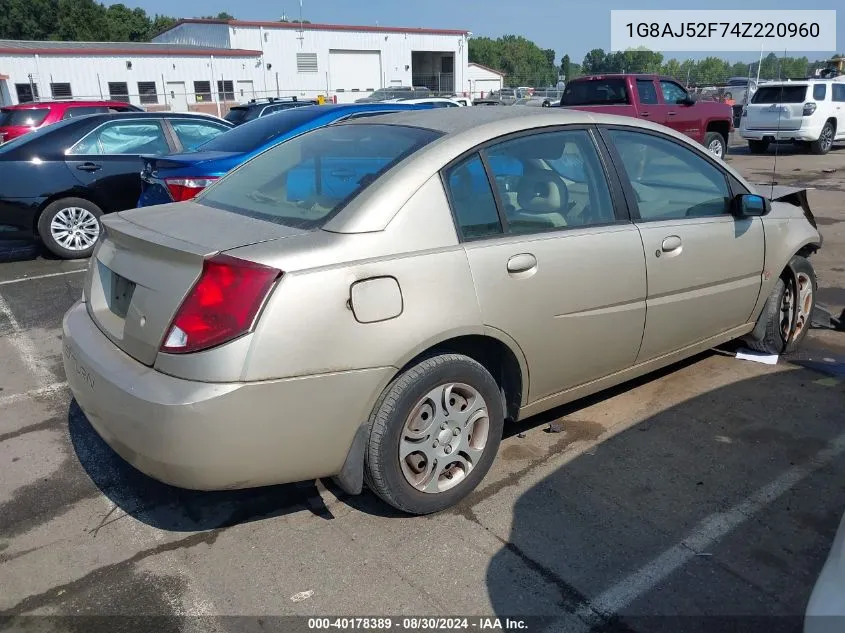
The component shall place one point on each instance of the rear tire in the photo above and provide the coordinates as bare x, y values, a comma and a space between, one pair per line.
825, 141
446, 413
69, 228
716, 144
777, 313
758, 147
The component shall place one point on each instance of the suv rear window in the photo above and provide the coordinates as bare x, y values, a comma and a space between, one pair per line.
26, 117
308, 179
238, 115
780, 94
595, 92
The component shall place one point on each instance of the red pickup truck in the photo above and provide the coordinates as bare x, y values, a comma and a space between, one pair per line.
654, 98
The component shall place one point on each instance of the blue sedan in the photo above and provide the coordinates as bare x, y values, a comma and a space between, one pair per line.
179, 177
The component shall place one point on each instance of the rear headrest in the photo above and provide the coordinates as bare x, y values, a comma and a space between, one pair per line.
542, 192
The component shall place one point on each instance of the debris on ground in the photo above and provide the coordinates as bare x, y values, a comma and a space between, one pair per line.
521, 436
555, 427
302, 595
757, 357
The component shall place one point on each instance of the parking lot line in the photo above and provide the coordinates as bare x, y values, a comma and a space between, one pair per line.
7, 282
705, 535
20, 341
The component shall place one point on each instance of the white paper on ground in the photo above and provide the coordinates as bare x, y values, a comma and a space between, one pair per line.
757, 357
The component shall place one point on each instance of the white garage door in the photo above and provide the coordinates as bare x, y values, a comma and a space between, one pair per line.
354, 74
485, 86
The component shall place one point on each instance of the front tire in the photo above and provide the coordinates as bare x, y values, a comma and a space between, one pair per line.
825, 141
435, 432
69, 228
716, 144
779, 314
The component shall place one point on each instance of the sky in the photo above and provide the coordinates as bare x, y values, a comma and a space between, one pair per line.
567, 27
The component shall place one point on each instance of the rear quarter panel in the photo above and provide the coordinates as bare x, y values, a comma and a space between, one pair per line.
308, 327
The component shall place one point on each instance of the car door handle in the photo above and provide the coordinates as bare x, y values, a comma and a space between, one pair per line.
89, 167
645, 115
671, 243
671, 113
522, 263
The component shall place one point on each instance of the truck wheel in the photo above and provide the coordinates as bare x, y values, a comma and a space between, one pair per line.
758, 147
825, 142
716, 144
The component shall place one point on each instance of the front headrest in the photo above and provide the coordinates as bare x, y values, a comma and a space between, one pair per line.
542, 192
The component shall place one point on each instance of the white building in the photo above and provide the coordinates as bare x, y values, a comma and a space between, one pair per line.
483, 80
156, 76
341, 62
209, 64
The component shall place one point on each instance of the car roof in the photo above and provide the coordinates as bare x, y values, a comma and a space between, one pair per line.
108, 116
63, 104
463, 130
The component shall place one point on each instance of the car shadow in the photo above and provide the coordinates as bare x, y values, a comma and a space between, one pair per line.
715, 514
176, 509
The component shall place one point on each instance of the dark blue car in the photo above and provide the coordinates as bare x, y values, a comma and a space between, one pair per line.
179, 177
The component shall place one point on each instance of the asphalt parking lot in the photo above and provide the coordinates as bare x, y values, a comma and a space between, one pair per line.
706, 494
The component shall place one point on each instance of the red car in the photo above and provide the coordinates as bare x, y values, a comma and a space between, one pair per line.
17, 120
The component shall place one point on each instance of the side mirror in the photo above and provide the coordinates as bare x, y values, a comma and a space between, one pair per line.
750, 205
687, 101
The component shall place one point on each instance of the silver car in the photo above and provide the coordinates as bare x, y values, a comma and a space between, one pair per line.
374, 300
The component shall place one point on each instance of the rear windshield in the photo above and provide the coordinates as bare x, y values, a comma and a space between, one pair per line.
242, 115
254, 134
595, 92
306, 180
780, 94
25, 118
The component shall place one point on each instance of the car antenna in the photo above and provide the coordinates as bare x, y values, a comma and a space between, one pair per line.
777, 133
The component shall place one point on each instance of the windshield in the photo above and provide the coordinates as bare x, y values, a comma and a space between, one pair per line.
25, 118
306, 180
255, 134
780, 94
595, 92
238, 115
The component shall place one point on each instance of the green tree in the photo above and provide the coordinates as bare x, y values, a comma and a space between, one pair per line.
594, 62
220, 16
522, 61
672, 68
566, 67
127, 25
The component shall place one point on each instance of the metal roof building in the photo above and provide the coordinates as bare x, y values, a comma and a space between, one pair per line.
208, 65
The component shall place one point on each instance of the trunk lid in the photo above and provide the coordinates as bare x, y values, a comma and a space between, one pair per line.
148, 261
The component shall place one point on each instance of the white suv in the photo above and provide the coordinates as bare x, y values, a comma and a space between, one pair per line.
810, 112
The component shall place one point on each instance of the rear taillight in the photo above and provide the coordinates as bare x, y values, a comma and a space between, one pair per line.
809, 108
182, 189
221, 306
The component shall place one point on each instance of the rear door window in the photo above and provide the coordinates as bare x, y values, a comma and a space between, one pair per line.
472, 199
308, 179
124, 137
193, 134
646, 91
23, 118
819, 92
780, 94
84, 111
596, 92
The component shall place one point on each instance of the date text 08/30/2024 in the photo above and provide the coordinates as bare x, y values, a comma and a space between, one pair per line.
417, 624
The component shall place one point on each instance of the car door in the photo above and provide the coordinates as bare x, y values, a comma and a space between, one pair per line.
557, 264
107, 160
678, 116
649, 107
704, 265
838, 95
